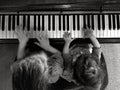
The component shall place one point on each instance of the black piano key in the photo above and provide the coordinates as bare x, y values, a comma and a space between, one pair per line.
113, 17
74, 22
84, 21
18, 19
35, 22
13, 23
64, 22
78, 22
43, 22
99, 24
88, 21
109, 21
60, 22
9, 22
67, 22
92, 22
49, 21
0, 21
118, 23
103, 22
3, 22
39, 23
24, 21
53, 22
28, 22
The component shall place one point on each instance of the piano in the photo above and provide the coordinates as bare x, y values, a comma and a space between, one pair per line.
57, 19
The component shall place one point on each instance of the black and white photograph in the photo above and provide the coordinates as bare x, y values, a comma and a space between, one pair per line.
59, 45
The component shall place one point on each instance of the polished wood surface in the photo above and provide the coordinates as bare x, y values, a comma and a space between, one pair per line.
37, 5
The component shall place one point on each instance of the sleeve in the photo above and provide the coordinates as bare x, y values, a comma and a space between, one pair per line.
97, 51
55, 67
67, 60
57, 57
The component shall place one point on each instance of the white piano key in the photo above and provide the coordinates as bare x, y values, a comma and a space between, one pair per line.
32, 26
111, 31
61, 31
65, 22
20, 23
57, 26
2, 32
14, 35
51, 33
6, 33
36, 22
0, 27
37, 31
11, 31
118, 34
90, 20
96, 31
26, 23
106, 32
115, 26
101, 30
54, 31
76, 30
81, 26
71, 25
86, 18
46, 24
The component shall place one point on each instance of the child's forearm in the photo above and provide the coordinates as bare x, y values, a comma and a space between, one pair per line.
94, 41
66, 47
21, 50
51, 49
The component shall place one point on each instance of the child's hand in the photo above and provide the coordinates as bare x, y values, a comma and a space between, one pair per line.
67, 37
87, 32
43, 40
21, 34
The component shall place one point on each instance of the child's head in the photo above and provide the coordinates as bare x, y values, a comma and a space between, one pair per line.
88, 70
30, 74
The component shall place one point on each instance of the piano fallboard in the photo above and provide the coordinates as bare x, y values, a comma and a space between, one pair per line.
61, 41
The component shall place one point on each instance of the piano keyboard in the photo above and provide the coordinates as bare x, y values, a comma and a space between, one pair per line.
104, 25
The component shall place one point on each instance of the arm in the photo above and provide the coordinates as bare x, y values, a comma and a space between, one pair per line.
94, 41
68, 40
23, 39
96, 45
88, 33
44, 43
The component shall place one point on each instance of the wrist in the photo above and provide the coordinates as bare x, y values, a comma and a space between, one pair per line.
92, 36
67, 42
22, 43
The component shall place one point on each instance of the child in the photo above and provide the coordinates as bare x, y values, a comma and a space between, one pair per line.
37, 70
81, 66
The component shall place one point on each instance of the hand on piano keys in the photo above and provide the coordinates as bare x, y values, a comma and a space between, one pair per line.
87, 32
43, 40
21, 34
67, 37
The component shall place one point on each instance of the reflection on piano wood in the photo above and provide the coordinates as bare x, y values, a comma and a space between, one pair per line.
105, 25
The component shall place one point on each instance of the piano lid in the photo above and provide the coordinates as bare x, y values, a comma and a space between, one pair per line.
59, 5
